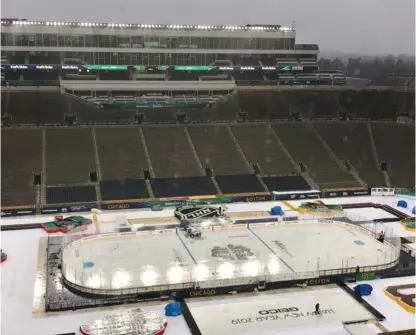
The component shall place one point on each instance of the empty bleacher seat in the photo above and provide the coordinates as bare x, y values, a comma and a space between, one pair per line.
70, 194
239, 184
286, 184
121, 153
170, 152
395, 144
21, 157
260, 147
180, 187
69, 155
215, 148
304, 146
351, 141
123, 189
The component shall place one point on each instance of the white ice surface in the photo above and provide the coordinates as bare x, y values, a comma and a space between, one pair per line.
310, 247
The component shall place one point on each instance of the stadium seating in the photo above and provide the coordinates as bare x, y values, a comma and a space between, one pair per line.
180, 187
395, 144
21, 156
286, 184
371, 104
123, 189
118, 157
305, 147
222, 110
34, 107
70, 194
264, 105
323, 104
351, 142
70, 155
260, 147
121, 153
170, 152
216, 149
42, 107
239, 184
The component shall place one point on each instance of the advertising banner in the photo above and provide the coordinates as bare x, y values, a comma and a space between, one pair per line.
17, 212
67, 209
188, 202
297, 196
124, 205
339, 193
253, 198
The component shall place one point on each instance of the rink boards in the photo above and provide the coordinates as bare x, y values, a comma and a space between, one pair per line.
167, 260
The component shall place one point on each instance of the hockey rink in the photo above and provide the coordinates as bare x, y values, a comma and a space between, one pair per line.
115, 261
99, 261
19, 274
285, 312
236, 246
322, 246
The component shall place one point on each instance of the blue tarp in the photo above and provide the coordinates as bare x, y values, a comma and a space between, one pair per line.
402, 203
173, 309
363, 289
277, 210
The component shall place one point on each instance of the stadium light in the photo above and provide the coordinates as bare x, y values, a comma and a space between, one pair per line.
128, 25
226, 270
251, 268
149, 277
175, 274
120, 278
273, 265
93, 281
201, 272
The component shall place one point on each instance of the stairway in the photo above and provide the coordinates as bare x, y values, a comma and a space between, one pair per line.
376, 159
335, 158
305, 175
97, 167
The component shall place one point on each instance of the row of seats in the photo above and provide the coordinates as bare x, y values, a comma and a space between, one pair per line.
50, 107
66, 156
173, 187
163, 99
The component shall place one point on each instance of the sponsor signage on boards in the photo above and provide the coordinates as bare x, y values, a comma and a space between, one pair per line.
297, 196
66, 209
123, 205
346, 193
17, 212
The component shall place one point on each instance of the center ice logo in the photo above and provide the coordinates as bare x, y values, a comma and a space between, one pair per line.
232, 252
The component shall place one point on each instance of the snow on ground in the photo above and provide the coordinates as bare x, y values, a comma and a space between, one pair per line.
17, 293
18, 273
267, 313
365, 214
397, 318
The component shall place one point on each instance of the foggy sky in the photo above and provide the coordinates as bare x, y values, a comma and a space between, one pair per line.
352, 26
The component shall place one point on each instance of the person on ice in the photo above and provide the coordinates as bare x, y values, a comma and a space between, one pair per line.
381, 237
317, 309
